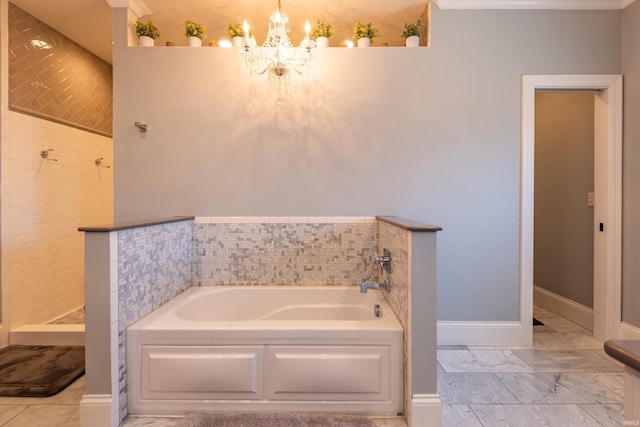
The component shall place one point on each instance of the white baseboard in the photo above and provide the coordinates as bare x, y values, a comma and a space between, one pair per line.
565, 307
481, 333
95, 411
426, 411
629, 332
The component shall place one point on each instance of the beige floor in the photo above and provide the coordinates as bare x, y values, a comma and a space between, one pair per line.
563, 379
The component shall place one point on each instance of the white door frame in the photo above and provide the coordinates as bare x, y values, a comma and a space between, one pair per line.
608, 187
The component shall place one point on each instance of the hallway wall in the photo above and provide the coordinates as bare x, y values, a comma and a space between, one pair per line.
564, 162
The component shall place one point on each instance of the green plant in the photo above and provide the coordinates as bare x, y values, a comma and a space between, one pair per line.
147, 29
235, 30
412, 29
364, 30
191, 29
321, 29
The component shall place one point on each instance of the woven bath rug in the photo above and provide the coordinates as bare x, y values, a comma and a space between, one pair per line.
39, 371
252, 419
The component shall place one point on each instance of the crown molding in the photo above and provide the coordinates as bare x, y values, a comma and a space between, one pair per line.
534, 4
136, 6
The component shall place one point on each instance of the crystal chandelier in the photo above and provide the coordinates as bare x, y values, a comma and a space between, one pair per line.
277, 57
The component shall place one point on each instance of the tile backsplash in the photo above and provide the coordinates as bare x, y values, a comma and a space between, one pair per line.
283, 251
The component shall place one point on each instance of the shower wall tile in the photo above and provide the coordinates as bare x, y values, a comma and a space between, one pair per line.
54, 78
43, 204
154, 265
284, 253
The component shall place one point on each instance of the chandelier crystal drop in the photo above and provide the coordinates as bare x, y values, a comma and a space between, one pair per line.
277, 56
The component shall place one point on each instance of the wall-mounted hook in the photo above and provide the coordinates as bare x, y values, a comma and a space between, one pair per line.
45, 154
98, 162
141, 126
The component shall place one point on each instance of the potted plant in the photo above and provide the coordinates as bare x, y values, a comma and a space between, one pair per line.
236, 32
364, 33
194, 32
147, 33
321, 33
411, 33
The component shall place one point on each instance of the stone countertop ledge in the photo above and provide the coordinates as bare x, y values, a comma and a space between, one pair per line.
624, 351
135, 224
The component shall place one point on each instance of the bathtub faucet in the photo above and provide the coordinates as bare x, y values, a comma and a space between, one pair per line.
364, 286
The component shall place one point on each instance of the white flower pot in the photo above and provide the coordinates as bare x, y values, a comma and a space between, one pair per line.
322, 42
144, 41
194, 41
238, 42
364, 42
413, 41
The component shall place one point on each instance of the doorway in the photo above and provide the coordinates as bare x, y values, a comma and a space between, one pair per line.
564, 202
607, 189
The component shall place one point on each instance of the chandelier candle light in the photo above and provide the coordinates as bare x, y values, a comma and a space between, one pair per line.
277, 57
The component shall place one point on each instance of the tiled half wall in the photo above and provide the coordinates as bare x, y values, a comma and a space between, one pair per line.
153, 267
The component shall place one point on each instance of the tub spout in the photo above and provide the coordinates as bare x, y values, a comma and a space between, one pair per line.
364, 286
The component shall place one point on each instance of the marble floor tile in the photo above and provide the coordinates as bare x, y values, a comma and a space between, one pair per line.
535, 345
568, 341
439, 367
70, 395
47, 416
560, 324
539, 310
459, 415
604, 354
567, 361
170, 422
452, 347
543, 328
468, 388
149, 421
389, 422
612, 381
7, 412
607, 415
481, 361
533, 416
557, 388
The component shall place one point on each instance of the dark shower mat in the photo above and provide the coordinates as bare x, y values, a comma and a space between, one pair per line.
39, 371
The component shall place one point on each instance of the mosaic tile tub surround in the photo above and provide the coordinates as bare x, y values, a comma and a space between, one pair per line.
283, 251
155, 260
154, 265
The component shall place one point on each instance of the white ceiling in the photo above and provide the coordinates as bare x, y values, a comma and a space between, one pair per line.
88, 22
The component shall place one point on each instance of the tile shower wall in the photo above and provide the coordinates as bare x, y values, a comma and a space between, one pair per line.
154, 265
54, 78
43, 204
283, 251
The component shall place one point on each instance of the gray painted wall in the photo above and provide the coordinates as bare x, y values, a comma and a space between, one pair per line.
631, 165
563, 237
431, 134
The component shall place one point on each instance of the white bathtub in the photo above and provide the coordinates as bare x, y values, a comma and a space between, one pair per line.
297, 349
